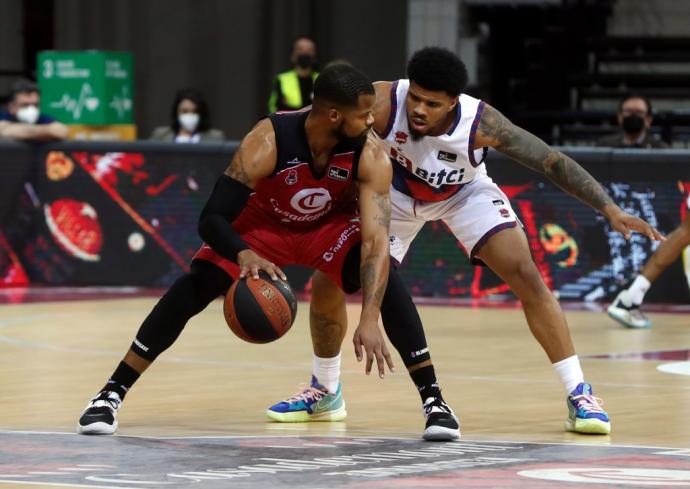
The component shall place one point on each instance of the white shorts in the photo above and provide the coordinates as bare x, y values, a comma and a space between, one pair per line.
474, 214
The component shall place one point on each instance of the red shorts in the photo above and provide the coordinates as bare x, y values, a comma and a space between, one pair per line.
323, 247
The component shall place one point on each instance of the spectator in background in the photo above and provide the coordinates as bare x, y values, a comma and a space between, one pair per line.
189, 122
293, 89
23, 119
634, 119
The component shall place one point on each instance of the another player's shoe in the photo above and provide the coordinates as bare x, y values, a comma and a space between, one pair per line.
312, 403
585, 414
441, 422
628, 314
100, 415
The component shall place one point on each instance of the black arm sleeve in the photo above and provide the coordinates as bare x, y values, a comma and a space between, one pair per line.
223, 206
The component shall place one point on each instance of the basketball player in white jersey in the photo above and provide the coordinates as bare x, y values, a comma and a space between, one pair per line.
437, 138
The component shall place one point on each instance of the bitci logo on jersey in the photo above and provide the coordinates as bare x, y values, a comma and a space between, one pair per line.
311, 200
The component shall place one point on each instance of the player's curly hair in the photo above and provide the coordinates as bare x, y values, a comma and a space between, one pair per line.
438, 69
341, 84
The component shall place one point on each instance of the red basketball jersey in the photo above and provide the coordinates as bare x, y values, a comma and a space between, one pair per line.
295, 195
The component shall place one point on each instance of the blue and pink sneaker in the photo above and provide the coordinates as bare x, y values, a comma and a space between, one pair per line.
585, 414
312, 403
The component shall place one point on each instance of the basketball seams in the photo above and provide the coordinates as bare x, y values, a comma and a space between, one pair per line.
260, 311
249, 312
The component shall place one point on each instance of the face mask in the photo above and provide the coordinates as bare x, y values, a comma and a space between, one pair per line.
305, 60
188, 121
28, 114
633, 124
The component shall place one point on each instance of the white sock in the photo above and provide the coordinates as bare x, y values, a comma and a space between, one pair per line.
327, 372
638, 289
570, 372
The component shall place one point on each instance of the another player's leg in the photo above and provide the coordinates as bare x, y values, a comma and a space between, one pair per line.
322, 399
548, 325
188, 296
626, 306
404, 329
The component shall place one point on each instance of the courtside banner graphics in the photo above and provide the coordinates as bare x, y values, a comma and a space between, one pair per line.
98, 213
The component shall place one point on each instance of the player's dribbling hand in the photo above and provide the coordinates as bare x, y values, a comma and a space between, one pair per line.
250, 263
626, 223
368, 337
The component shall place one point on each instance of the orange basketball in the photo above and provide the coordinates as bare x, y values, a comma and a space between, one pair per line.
261, 310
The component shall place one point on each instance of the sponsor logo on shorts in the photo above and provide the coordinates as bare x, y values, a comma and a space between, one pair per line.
342, 239
505, 213
446, 156
498, 202
338, 173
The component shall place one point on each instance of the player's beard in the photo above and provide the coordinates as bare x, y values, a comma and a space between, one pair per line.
351, 141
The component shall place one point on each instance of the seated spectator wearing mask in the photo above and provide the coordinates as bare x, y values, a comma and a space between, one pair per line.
189, 121
634, 119
23, 119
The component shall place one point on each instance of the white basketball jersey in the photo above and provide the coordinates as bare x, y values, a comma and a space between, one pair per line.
433, 168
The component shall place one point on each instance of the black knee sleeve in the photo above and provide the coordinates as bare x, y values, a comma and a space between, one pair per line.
400, 317
187, 297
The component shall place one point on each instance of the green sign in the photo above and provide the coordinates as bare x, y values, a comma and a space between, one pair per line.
86, 87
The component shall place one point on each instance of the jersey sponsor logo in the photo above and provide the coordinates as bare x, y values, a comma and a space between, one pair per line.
446, 156
434, 179
311, 200
338, 173
401, 137
291, 179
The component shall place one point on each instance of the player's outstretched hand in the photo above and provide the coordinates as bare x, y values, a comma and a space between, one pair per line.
626, 223
250, 263
368, 337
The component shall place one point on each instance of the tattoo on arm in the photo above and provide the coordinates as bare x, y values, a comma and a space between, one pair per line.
372, 291
532, 152
237, 169
383, 204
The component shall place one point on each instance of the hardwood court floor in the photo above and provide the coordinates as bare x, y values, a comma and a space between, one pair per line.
55, 356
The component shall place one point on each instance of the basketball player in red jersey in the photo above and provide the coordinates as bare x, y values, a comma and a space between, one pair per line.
309, 188
437, 138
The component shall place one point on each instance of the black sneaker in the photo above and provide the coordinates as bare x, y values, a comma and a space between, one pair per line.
100, 415
441, 423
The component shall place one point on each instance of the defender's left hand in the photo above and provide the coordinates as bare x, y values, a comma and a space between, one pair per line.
625, 224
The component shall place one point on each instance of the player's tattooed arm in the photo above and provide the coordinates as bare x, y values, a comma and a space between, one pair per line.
375, 175
496, 131
256, 156
383, 209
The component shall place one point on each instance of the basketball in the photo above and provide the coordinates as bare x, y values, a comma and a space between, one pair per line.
261, 310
